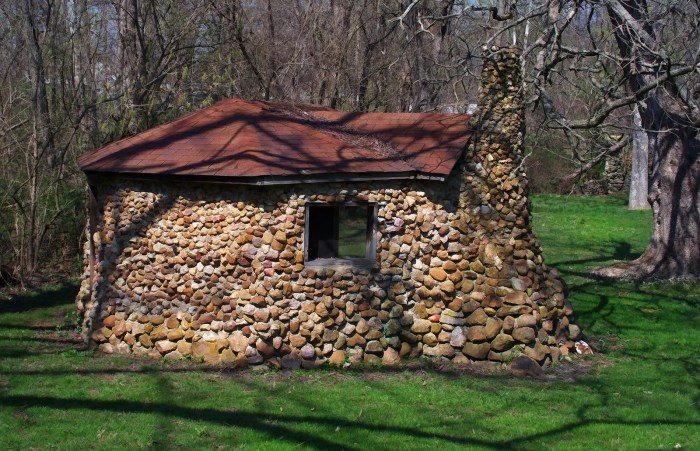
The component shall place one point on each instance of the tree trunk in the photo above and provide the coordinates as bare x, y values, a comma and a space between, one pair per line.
674, 249
42, 144
639, 174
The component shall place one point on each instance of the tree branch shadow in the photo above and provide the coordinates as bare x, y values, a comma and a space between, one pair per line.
44, 298
281, 427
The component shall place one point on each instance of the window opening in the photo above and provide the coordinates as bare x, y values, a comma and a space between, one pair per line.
342, 231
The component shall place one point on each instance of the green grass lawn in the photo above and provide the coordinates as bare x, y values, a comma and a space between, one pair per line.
641, 392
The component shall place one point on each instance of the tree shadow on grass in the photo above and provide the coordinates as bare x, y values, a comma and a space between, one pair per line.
607, 292
45, 298
621, 251
609, 310
282, 427
28, 327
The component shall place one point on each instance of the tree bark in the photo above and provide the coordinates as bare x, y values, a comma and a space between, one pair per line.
639, 174
674, 249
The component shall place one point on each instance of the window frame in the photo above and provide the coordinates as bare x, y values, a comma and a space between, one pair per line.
370, 258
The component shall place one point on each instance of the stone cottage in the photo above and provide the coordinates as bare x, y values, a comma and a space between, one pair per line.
254, 231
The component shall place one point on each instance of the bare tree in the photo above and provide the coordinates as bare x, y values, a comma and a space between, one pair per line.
665, 78
42, 93
60, 93
569, 47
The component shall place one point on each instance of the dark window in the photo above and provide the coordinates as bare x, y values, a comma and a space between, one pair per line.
342, 231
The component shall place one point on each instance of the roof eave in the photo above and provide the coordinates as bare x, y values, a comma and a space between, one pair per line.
93, 177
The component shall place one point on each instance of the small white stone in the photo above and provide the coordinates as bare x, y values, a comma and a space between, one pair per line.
210, 336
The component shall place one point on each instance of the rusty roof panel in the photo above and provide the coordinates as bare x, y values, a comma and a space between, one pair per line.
238, 138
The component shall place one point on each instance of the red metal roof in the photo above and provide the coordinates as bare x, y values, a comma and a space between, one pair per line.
239, 138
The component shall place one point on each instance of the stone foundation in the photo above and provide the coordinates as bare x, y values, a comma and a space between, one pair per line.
217, 271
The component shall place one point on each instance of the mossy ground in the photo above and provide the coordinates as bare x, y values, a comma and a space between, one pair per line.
642, 391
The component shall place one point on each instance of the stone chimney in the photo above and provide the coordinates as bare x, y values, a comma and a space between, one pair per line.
494, 161
495, 220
